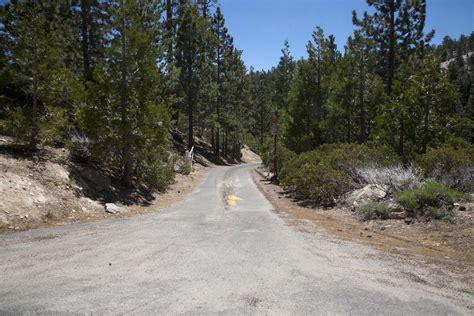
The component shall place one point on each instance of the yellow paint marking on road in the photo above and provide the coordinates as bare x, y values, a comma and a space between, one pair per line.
232, 199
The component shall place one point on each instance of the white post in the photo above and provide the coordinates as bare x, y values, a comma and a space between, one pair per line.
189, 156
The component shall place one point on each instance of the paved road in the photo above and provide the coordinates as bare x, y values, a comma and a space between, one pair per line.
202, 256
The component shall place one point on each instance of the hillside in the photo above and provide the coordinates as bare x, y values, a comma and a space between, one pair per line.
46, 188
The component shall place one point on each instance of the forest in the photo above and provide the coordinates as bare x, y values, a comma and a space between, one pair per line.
110, 80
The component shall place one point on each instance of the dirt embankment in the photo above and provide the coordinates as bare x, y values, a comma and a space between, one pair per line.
438, 241
46, 188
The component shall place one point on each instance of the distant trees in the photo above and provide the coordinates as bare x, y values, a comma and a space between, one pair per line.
386, 89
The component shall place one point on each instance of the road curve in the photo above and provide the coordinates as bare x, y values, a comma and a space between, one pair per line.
204, 256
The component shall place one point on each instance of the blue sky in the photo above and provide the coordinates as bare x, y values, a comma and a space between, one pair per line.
259, 27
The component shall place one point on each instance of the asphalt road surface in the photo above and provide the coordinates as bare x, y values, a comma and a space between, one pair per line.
205, 255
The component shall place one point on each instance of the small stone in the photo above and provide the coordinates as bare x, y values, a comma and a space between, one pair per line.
369, 236
73, 210
111, 208
83, 209
383, 228
462, 207
366, 228
456, 204
408, 220
361, 234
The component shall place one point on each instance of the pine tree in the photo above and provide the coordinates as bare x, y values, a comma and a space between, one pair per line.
397, 29
285, 71
421, 113
125, 115
38, 66
191, 40
222, 49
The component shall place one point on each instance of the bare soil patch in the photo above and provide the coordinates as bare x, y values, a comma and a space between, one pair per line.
434, 244
437, 239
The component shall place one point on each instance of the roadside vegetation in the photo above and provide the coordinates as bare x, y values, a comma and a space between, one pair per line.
384, 128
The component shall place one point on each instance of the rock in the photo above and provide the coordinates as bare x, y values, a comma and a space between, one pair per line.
462, 207
397, 215
95, 178
369, 236
370, 192
456, 204
384, 227
408, 220
394, 207
111, 208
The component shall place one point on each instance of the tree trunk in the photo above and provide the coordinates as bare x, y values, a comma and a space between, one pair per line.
190, 109
169, 29
425, 129
213, 144
362, 119
401, 140
127, 164
219, 98
34, 117
85, 18
225, 143
391, 48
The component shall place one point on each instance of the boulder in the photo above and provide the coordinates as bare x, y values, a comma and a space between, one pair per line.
95, 178
111, 208
371, 192
396, 211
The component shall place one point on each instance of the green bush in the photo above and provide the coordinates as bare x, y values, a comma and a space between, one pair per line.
426, 198
323, 175
50, 126
374, 210
155, 170
452, 164
283, 155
